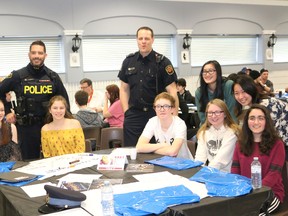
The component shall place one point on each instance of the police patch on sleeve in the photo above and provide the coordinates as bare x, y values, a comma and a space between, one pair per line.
169, 69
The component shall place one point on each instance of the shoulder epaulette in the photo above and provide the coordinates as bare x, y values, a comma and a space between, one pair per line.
159, 57
130, 55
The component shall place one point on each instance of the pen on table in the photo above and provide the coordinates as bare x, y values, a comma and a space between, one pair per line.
75, 161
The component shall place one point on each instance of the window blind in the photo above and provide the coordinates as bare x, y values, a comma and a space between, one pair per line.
107, 54
280, 50
14, 54
226, 50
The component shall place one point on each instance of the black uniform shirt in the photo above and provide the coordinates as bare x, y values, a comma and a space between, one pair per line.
146, 77
13, 83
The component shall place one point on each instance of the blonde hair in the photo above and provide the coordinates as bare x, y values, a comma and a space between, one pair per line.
228, 120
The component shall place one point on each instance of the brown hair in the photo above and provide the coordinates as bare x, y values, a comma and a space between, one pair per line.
167, 96
81, 97
268, 136
49, 117
5, 132
113, 91
39, 43
145, 28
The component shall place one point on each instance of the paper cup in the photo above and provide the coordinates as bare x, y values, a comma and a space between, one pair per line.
133, 153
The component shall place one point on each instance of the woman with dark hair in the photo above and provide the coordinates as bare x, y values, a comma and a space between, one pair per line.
62, 134
246, 94
259, 138
9, 149
213, 85
114, 115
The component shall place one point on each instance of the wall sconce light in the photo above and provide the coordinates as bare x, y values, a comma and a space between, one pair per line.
186, 41
76, 43
272, 40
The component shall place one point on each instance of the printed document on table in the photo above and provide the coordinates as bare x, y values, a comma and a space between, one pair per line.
36, 190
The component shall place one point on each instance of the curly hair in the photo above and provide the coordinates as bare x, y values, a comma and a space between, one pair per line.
268, 136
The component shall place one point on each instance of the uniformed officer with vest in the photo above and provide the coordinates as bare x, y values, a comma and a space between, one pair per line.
143, 75
33, 85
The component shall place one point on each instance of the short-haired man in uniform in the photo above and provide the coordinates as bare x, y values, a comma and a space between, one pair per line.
144, 74
33, 85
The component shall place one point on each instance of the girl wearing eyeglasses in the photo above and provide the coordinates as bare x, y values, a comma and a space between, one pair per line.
169, 130
213, 85
260, 139
217, 137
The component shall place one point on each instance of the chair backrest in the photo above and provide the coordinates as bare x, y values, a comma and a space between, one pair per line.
93, 133
88, 147
192, 147
110, 135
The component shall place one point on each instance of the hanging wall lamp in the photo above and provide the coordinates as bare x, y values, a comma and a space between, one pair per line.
272, 40
76, 43
186, 41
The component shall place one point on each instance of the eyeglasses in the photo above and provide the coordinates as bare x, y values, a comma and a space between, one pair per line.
84, 87
216, 113
165, 107
210, 71
259, 118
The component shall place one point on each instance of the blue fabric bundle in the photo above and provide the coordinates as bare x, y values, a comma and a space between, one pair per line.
152, 201
175, 163
6, 166
223, 184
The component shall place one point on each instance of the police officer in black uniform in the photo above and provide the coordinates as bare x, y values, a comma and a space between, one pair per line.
33, 85
143, 75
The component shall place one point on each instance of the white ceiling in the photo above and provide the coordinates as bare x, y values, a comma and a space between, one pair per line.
252, 2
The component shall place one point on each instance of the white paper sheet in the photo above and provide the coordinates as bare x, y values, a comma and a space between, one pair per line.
36, 190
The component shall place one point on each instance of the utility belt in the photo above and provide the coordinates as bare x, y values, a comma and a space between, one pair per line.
29, 120
143, 109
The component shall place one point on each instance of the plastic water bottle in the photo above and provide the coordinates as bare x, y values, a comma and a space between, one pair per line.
107, 199
256, 176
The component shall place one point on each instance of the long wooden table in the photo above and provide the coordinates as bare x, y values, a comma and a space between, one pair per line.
15, 202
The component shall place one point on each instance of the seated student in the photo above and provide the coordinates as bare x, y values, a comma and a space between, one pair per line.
217, 137
169, 130
9, 149
114, 115
185, 94
86, 116
62, 134
260, 139
246, 94
95, 99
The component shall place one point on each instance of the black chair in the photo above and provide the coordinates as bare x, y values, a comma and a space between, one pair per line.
283, 211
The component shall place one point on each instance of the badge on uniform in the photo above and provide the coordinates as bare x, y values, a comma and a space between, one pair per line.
59, 199
169, 69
